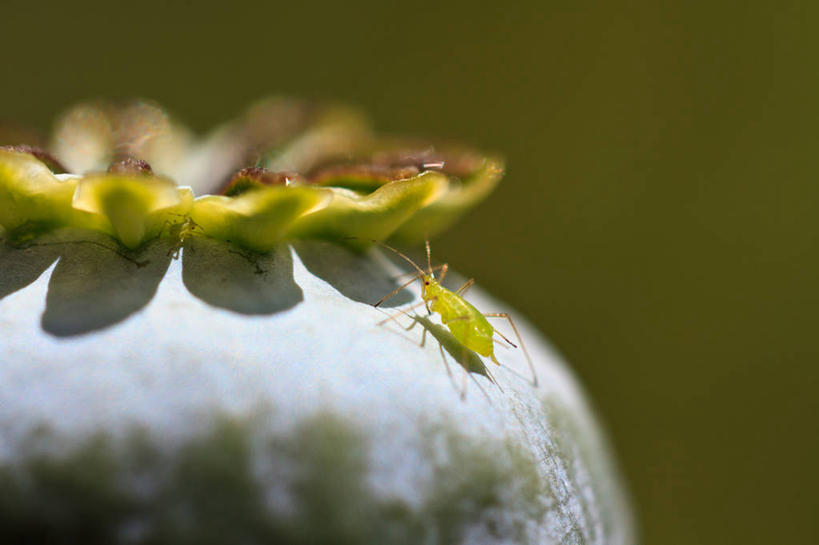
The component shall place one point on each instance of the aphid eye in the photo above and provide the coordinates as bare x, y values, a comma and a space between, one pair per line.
426, 283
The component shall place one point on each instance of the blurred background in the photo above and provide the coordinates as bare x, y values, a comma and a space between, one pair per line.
659, 220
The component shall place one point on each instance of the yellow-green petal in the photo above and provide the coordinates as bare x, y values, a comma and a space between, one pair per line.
31, 197
373, 216
258, 219
130, 204
440, 214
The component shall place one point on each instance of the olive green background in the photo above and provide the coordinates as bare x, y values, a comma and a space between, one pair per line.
659, 220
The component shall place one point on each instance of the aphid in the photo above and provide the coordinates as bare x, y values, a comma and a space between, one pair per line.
178, 231
466, 323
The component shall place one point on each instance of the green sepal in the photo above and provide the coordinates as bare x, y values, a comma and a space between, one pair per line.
33, 200
443, 212
374, 216
135, 207
258, 219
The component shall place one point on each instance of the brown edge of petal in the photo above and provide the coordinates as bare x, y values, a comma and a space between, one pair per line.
255, 177
399, 162
363, 171
131, 166
41, 155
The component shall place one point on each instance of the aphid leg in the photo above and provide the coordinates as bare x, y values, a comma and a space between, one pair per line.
520, 340
412, 307
507, 341
409, 327
426, 305
401, 333
396, 290
504, 343
462, 391
463, 289
404, 312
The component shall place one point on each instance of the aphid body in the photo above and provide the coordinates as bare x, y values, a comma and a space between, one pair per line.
465, 322
178, 231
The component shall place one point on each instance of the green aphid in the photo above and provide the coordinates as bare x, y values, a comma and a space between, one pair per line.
466, 323
178, 231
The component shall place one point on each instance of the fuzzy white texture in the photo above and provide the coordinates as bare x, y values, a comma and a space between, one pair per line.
176, 361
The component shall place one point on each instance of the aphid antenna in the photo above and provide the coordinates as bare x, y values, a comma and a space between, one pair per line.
415, 274
429, 254
396, 290
387, 246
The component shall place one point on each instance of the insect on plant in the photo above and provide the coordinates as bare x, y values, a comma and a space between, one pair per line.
178, 231
466, 323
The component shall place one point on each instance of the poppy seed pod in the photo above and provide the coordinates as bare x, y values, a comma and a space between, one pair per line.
203, 363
